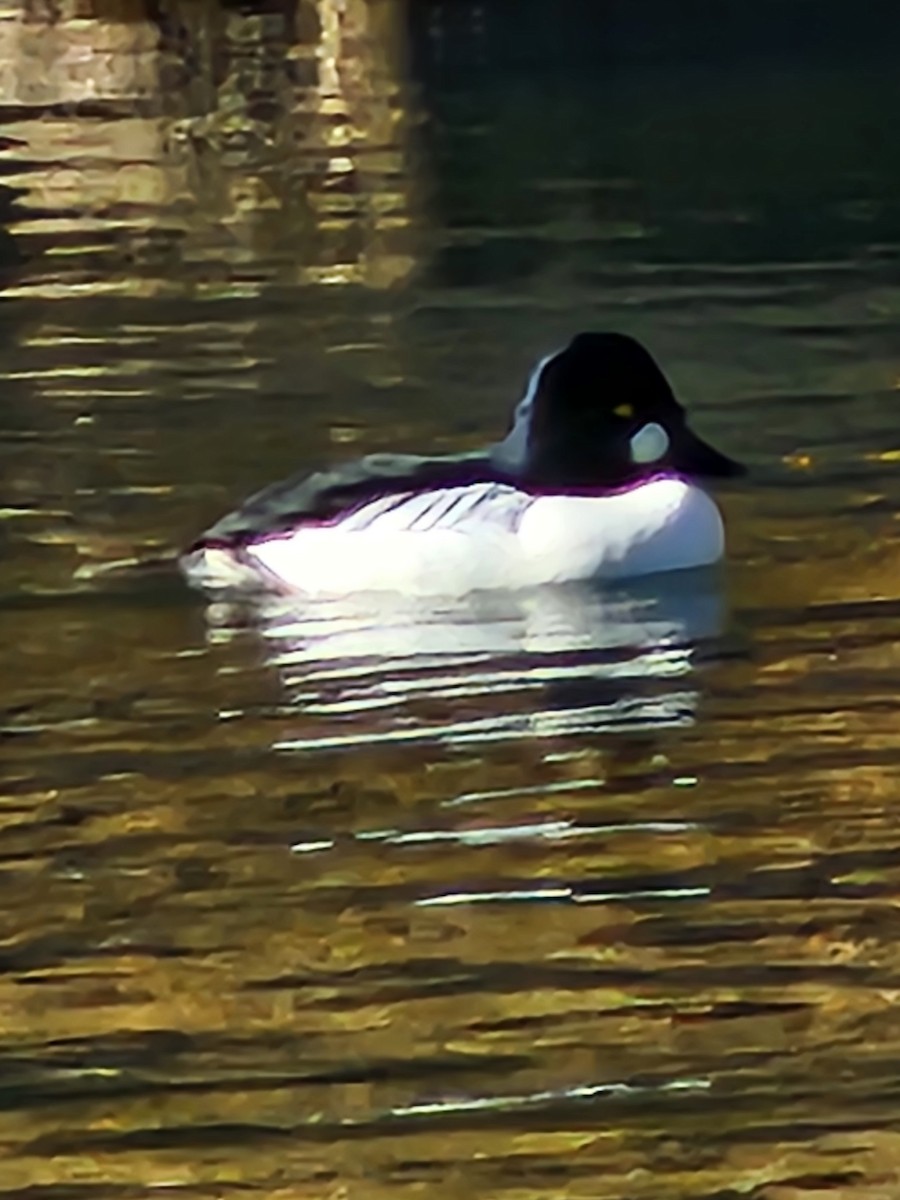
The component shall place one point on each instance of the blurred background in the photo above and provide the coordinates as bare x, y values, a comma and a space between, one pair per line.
564, 896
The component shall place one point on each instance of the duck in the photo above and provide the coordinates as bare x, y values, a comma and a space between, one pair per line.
599, 478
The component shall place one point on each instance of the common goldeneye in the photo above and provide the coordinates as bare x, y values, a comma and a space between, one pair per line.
596, 479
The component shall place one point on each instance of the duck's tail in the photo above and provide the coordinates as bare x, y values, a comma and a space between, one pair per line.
164, 565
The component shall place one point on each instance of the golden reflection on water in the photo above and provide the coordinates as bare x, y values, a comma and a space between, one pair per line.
207, 179
576, 897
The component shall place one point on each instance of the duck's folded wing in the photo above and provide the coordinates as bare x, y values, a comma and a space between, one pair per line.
305, 499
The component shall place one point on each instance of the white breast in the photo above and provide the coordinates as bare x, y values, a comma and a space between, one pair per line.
665, 525
455, 540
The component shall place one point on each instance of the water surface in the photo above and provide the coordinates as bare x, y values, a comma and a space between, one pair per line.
569, 893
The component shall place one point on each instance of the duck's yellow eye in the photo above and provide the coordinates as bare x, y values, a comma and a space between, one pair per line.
625, 411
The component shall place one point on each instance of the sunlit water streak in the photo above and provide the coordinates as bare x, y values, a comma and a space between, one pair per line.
538, 1099
509, 896
552, 830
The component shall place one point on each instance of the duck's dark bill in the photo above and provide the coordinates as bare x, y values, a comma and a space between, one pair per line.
693, 456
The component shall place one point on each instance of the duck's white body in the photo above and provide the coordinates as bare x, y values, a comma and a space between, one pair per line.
593, 481
483, 536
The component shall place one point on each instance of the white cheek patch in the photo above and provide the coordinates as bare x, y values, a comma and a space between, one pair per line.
649, 444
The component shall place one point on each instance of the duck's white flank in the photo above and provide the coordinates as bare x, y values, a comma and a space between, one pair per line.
492, 535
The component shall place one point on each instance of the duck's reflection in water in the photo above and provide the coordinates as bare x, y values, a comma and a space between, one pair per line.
545, 663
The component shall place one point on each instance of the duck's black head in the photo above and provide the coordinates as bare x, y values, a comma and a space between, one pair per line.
601, 413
